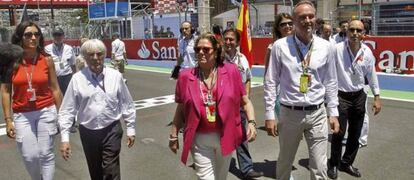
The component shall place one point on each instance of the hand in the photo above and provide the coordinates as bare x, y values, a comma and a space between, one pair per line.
130, 141
271, 127
334, 123
126, 62
377, 105
251, 132
11, 132
65, 150
174, 144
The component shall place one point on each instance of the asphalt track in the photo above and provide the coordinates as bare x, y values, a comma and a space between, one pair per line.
388, 156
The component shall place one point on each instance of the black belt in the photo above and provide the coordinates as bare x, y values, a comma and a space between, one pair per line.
304, 108
354, 93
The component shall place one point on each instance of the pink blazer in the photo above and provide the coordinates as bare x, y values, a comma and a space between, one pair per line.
230, 90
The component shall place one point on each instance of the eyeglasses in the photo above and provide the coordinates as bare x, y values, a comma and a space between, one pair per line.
204, 49
92, 54
355, 29
285, 24
29, 35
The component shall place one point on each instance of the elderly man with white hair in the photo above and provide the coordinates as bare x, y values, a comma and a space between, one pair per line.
98, 97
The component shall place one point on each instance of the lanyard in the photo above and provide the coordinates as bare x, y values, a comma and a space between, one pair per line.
351, 57
209, 100
30, 76
58, 51
305, 62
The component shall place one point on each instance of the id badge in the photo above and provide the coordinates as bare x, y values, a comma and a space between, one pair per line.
31, 94
304, 83
61, 65
211, 113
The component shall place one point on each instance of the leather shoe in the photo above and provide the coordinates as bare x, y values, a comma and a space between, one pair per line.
350, 170
333, 172
253, 174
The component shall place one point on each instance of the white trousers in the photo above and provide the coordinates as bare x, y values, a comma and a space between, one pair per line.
292, 126
210, 164
35, 133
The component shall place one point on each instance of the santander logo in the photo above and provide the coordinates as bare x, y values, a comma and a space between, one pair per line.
143, 52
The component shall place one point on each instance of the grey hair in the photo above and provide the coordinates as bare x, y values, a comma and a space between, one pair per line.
303, 2
93, 44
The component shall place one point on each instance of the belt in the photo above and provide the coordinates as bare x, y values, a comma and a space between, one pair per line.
303, 108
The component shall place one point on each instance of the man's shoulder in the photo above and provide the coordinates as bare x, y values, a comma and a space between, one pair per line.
49, 47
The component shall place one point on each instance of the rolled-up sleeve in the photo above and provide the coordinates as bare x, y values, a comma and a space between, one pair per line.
330, 81
271, 81
67, 111
128, 108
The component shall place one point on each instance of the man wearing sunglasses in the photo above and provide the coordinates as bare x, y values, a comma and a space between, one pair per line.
63, 57
355, 63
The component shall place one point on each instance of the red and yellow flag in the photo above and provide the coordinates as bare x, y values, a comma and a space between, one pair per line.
243, 28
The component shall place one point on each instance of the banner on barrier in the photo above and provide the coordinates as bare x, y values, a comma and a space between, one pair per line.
391, 53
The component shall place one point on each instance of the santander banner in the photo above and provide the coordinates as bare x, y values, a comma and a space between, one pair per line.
390, 52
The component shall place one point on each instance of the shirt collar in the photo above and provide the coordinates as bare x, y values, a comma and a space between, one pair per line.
96, 76
230, 59
300, 43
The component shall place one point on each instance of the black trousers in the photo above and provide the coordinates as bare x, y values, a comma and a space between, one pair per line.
351, 112
102, 148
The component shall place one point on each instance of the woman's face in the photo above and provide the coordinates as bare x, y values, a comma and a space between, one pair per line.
286, 27
31, 37
205, 52
230, 41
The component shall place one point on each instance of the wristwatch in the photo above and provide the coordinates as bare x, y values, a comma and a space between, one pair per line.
252, 121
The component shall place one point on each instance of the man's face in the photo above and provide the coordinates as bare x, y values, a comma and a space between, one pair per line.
186, 29
58, 38
326, 32
344, 27
355, 31
95, 60
304, 19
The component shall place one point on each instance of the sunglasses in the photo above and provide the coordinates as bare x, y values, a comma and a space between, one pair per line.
355, 29
285, 24
29, 35
204, 49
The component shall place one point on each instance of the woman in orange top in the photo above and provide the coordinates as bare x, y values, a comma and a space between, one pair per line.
36, 98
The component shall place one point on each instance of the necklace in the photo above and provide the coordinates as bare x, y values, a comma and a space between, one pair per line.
209, 102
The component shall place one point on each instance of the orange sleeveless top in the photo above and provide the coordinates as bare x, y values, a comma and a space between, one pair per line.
40, 83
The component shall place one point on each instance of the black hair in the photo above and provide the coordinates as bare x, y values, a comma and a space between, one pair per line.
236, 33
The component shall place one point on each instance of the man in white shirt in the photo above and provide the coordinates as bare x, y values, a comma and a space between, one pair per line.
63, 58
355, 62
98, 97
341, 36
327, 33
186, 53
304, 67
119, 56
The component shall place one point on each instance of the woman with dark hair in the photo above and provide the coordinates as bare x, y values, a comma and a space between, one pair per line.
283, 27
36, 98
209, 98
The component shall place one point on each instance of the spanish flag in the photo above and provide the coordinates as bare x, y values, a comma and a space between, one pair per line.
243, 28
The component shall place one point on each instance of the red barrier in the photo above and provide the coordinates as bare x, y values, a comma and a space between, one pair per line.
390, 52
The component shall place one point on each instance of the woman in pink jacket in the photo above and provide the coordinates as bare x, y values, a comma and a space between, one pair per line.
209, 98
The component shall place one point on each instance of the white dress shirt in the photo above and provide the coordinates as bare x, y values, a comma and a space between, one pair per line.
285, 70
63, 58
351, 76
96, 102
118, 49
241, 61
186, 50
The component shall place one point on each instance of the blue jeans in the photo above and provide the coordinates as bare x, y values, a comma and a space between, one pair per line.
243, 156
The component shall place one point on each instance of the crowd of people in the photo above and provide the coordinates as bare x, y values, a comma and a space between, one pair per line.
314, 84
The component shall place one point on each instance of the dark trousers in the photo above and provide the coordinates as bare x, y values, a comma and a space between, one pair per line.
102, 148
243, 156
64, 82
351, 112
